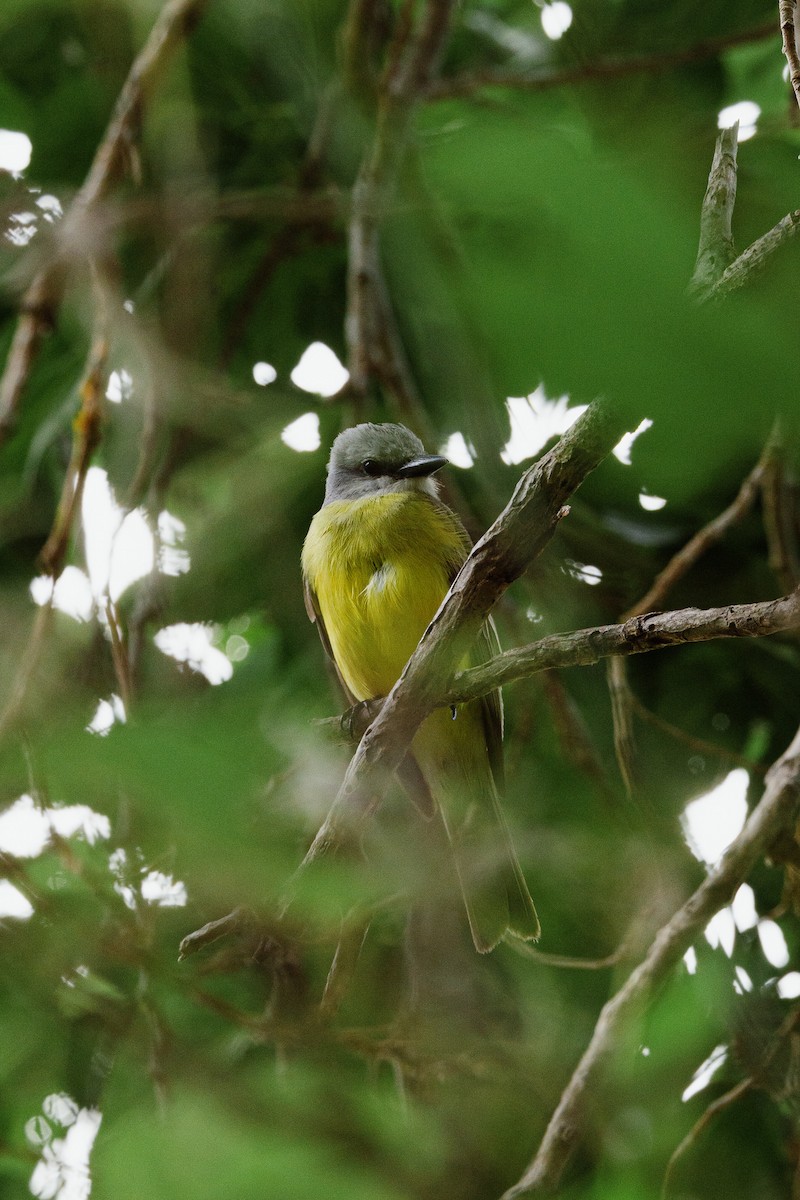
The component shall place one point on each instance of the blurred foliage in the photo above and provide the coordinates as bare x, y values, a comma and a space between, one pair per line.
537, 236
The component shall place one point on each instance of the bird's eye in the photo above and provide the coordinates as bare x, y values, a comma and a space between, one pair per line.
371, 466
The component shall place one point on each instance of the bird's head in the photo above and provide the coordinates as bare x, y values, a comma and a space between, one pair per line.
374, 460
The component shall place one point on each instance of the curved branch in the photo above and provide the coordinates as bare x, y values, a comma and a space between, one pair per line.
777, 807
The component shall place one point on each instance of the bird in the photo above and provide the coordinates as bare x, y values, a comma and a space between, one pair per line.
378, 560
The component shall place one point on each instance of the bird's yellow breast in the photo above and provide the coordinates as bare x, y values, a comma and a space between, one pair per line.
380, 567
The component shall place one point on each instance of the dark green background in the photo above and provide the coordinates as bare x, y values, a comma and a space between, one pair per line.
535, 237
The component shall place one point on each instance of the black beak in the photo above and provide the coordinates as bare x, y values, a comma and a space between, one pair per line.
426, 464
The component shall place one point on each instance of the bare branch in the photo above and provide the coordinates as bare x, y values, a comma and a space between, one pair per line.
119, 656
365, 30
502, 554
716, 250
86, 432
755, 257
593, 72
786, 11
717, 1106
730, 1097
43, 297
777, 807
652, 631
682, 562
585, 647
699, 745
308, 205
622, 699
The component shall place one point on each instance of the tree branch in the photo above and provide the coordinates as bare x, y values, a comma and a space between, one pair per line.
776, 809
502, 554
592, 72
682, 562
42, 299
730, 1097
637, 635
786, 11
699, 745
714, 1109
755, 257
585, 647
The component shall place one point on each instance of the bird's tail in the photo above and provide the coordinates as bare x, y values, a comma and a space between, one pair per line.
453, 759
495, 892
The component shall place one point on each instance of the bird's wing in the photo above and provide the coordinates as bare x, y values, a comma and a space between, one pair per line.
487, 645
314, 615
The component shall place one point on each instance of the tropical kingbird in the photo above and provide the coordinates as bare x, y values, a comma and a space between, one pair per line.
378, 560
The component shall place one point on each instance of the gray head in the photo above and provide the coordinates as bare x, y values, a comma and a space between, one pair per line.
372, 460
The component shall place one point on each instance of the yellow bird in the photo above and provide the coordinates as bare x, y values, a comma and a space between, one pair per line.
378, 559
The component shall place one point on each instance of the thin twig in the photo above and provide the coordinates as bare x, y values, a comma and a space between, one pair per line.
365, 29
403, 26
622, 700
719, 1105
591, 72
119, 656
42, 300
752, 260
699, 745
682, 562
776, 809
282, 203
343, 965
730, 1097
786, 12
